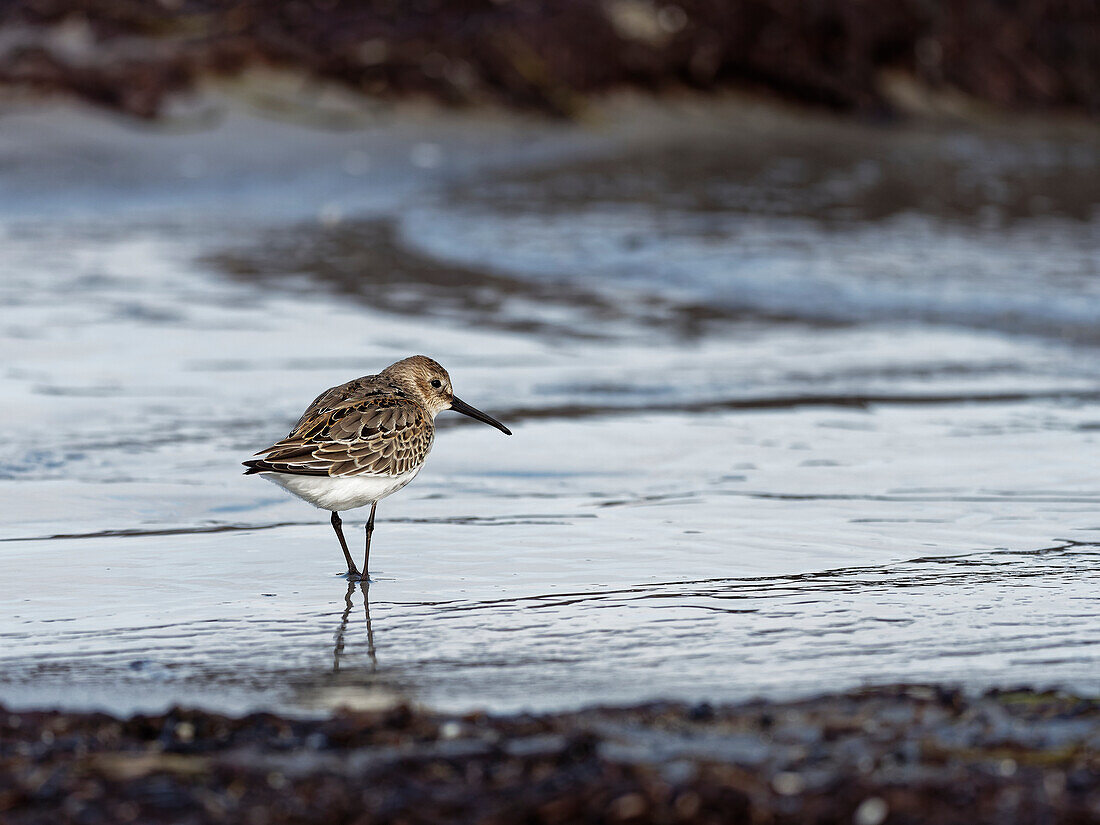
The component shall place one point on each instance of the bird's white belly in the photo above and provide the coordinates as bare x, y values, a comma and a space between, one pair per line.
342, 492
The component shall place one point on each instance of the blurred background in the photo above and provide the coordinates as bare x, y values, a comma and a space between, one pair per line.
792, 308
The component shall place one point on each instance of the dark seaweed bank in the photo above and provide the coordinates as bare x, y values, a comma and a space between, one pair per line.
887, 755
549, 55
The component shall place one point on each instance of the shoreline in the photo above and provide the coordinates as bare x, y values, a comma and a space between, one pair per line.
906, 753
939, 58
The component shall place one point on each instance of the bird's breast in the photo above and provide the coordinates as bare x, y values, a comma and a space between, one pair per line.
341, 492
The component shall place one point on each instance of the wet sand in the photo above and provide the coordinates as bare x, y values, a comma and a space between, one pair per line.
818, 417
896, 754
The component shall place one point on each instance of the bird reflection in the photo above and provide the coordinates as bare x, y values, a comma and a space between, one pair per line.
338, 649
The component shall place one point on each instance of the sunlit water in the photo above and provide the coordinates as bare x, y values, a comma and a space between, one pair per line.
797, 406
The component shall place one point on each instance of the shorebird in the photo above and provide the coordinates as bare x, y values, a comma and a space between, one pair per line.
364, 440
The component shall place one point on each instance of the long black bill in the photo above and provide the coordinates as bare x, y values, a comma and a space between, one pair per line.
466, 409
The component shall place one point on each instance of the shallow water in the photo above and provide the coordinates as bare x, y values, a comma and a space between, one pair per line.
798, 405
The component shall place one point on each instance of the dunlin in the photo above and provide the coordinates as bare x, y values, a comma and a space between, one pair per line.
364, 440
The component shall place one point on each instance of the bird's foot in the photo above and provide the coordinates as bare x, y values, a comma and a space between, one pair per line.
354, 575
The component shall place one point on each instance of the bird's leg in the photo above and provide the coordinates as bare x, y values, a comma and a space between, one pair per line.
370, 530
337, 525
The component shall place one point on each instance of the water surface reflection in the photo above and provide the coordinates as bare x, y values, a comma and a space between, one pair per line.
338, 647
797, 409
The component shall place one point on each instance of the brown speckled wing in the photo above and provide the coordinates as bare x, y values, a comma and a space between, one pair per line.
357, 389
380, 435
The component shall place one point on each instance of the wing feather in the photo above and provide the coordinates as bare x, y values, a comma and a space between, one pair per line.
377, 435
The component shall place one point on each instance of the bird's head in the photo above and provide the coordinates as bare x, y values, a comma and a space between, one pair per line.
430, 384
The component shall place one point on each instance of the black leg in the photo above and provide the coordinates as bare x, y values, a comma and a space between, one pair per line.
337, 525
366, 553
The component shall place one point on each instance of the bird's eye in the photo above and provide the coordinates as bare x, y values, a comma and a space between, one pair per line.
437, 383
